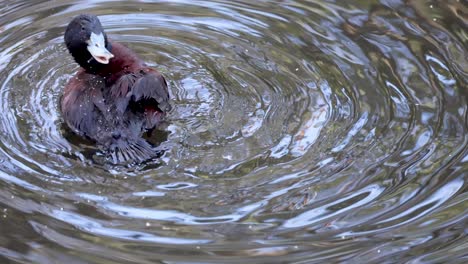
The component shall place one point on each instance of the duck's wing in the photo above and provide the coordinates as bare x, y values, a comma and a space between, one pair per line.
82, 104
152, 85
143, 92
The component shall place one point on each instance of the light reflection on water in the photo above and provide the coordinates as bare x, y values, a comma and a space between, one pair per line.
302, 131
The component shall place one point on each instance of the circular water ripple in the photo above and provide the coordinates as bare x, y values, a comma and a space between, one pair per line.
302, 131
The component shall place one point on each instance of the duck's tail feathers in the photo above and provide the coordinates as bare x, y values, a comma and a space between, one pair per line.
126, 151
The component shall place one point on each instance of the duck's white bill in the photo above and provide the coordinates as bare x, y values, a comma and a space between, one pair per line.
97, 48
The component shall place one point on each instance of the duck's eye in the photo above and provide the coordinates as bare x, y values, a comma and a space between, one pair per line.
83, 28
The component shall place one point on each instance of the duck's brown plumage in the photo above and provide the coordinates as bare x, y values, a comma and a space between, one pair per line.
114, 103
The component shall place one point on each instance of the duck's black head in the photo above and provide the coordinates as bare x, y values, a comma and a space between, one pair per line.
87, 42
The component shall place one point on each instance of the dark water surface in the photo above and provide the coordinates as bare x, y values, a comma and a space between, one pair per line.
302, 132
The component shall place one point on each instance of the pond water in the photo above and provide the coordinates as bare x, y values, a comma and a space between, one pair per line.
301, 132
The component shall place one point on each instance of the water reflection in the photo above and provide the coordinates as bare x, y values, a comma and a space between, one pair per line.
302, 131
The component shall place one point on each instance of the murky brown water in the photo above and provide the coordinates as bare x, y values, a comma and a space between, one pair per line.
302, 132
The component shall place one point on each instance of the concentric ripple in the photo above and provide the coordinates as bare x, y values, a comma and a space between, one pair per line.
301, 132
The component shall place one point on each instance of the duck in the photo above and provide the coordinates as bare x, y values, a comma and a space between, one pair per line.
114, 98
